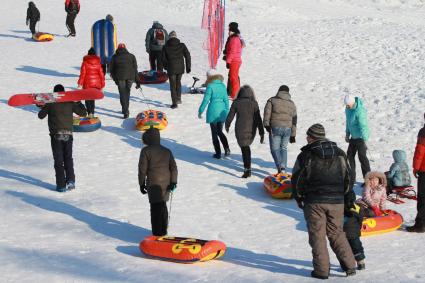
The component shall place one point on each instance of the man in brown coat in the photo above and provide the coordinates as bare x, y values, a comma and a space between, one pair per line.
322, 183
157, 177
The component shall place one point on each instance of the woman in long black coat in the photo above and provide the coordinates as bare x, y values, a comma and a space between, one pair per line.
248, 119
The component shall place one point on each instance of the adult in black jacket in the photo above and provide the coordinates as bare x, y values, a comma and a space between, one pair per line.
157, 177
33, 16
72, 8
321, 182
123, 69
60, 122
248, 119
174, 55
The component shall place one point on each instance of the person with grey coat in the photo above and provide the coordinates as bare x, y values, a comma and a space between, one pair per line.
156, 37
280, 121
157, 178
248, 120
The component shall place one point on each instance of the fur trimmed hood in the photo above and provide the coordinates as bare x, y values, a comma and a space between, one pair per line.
379, 175
213, 78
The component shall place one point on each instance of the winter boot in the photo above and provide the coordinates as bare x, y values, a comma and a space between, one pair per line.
361, 265
246, 173
61, 190
350, 272
70, 186
217, 149
415, 228
318, 276
226, 151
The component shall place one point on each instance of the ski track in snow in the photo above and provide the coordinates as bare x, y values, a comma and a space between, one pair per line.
322, 49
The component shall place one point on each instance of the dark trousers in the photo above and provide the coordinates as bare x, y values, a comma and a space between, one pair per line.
70, 19
216, 134
63, 162
358, 145
357, 248
176, 88
155, 59
420, 217
246, 156
124, 88
32, 26
90, 106
159, 218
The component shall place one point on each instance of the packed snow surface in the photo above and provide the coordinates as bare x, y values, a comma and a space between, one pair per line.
322, 49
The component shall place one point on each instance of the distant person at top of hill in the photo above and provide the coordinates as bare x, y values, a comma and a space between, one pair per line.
33, 16
156, 37
174, 56
91, 76
72, 8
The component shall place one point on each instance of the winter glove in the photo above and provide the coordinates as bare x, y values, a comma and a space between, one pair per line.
188, 71
171, 187
415, 173
262, 139
200, 115
143, 189
227, 66
347, 138
376, 210
28, 22
268, 129
292, 139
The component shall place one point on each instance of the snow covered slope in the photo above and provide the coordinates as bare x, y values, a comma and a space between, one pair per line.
321, 49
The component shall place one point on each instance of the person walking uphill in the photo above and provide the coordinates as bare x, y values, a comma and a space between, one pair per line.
321, 181
280, 121
157, 177
233, 58
248, 119
124, 72
419, 172
216, 99
60, 122
72, 8
174, 56
91, 76
33, 16
156, 37
356, 133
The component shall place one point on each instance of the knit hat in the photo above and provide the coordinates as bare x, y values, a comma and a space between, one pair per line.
212, 72
349, 100
58, 88
121, 45
284, 88
233, 27
109, 18
317, 131
173, 34
91, 51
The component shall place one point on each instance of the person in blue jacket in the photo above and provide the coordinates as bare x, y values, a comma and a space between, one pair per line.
399, 174
216, 99
356, 133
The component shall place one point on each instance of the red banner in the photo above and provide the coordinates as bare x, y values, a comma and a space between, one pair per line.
213, 22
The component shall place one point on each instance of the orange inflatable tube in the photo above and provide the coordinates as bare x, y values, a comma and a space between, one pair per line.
279, 185
151, 118
390, 221
43, 36
184, 250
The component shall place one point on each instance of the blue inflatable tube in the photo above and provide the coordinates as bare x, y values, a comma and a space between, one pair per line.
83, 124
104, 40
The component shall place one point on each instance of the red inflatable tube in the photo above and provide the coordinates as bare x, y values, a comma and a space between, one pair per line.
183, 250
390, 221
153, 77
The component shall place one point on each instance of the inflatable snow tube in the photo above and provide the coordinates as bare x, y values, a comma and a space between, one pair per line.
151, 118
104, 40
279, 185
43, 37
390, 221
183, 250
153, 77
85, 124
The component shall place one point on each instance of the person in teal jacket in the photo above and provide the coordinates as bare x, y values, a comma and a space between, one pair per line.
356, 133
216, 99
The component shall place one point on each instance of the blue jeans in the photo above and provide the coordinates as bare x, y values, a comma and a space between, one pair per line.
279, 138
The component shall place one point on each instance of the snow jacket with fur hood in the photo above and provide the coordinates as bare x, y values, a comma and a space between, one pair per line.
217, 100
375, 196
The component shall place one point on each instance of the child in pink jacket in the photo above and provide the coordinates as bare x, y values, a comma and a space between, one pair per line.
374, 194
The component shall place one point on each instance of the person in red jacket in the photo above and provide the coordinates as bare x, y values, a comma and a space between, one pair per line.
233, 58
72, 8
91, 76
419, 172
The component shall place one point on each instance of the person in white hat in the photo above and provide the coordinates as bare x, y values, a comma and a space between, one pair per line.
356, 133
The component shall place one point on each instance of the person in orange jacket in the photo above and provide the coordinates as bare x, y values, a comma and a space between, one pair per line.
419, 172
91, 76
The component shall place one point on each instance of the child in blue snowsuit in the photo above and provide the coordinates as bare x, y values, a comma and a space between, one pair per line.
399, 175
